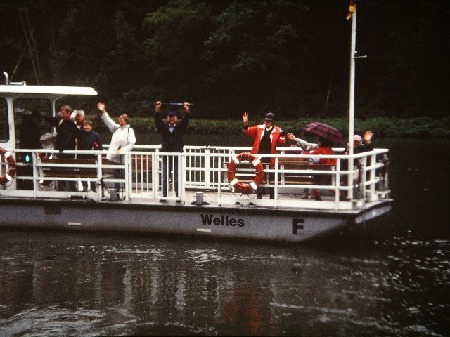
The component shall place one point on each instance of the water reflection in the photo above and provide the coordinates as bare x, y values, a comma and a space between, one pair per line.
66, 284
195, 288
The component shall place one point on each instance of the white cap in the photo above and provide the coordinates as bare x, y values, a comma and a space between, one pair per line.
75, 113
357, 138
48, 137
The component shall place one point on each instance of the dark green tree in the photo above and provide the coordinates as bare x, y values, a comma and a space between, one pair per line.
228, 56
256, 52
174, 43
405, 73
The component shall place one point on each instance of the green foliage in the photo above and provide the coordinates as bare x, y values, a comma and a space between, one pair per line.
290, 57
259, 45
422, 127
174, 40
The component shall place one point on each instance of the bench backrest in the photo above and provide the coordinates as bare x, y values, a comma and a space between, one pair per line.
304, 173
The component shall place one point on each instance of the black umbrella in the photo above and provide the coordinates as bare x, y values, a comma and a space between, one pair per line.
325, 131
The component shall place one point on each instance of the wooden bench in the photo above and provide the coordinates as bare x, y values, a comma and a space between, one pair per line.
292, 171
311, 174
76, 168
73, 168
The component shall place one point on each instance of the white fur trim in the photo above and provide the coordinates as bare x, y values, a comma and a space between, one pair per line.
234, 182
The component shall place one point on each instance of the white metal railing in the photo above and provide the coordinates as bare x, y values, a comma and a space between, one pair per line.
203, 168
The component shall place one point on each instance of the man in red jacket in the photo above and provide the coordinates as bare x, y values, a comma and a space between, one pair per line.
266, 137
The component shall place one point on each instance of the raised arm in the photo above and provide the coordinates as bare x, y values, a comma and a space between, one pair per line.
110, 124
158, 120
245, 121
186, 106
184, 121
367, 139
301, 142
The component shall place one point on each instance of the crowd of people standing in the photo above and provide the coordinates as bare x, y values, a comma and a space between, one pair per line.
75, 132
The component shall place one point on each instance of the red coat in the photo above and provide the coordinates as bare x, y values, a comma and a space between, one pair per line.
256, 133
323, 150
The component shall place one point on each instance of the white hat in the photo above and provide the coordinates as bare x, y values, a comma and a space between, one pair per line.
75, 113
48, 137
357, 138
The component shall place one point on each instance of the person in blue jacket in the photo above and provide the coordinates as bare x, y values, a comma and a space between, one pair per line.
172, 133
89, 140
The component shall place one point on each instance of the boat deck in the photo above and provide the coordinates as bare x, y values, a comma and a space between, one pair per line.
210, 199
205, 179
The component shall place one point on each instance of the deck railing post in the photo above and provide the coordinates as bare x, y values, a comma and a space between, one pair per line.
127, 176
207, 166
158, 171
362, 178
219, 178
35, 174
275, 180
337, 180
372, 175
181, 162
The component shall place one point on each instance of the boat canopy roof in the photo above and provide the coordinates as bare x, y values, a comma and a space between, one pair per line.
42, 91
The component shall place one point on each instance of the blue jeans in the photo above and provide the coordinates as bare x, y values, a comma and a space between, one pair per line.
118, 174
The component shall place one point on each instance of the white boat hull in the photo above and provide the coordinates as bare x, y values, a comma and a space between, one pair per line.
262, 224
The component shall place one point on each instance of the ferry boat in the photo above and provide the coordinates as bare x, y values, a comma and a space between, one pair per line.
206, 204
215, 197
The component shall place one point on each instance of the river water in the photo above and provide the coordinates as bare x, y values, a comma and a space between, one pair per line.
391, 278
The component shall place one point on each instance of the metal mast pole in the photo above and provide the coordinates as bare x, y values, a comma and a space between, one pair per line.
351, 105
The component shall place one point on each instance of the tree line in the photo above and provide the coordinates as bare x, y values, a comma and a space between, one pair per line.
290, 57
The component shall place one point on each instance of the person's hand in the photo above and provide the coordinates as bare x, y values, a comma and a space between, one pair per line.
101, 106
368, 136
158, 106
245, 118
186, 106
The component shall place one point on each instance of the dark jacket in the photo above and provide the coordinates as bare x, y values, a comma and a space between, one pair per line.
171, 141
364, 147
66, 134
90, 141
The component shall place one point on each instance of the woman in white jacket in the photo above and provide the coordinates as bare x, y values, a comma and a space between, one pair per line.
122, 140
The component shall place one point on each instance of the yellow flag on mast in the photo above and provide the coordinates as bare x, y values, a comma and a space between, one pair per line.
351, 9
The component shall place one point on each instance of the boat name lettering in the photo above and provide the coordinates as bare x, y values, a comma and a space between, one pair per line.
222, 220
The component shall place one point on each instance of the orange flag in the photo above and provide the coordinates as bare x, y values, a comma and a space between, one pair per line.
351, 9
